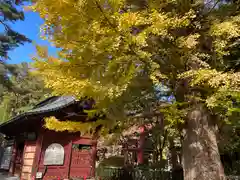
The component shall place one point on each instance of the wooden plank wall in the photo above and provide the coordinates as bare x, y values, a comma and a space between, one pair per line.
28, 159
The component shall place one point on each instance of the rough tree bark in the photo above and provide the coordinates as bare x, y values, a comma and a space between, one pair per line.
201, 158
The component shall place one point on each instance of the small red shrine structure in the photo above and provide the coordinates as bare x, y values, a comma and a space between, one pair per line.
34, 152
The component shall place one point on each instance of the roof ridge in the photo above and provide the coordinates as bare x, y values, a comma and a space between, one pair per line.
42, 103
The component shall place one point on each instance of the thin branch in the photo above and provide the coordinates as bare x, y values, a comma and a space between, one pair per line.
216, 3
5, 25
114, 28
104, 15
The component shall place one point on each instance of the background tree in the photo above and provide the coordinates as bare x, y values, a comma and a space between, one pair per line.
9, 38
229, 147
114, 51
29, 91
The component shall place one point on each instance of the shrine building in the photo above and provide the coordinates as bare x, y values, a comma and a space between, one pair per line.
33, 152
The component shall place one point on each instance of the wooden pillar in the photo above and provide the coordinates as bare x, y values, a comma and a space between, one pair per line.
140, 147
70, 158
38, 152
13, 159
94, 157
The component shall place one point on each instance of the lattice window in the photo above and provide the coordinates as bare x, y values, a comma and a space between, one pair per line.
81, 147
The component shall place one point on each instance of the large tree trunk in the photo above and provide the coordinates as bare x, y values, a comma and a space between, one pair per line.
201, 158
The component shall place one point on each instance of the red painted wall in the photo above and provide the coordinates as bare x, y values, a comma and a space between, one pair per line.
76, 163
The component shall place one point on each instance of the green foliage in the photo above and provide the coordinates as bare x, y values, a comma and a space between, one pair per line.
29, 91
9, 38
114, 161
229, 146
4, 109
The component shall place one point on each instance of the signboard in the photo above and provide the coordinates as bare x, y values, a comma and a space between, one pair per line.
54, 155
39, 175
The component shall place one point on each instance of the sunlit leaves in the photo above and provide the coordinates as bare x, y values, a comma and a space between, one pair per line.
189, 42
224, 32
86, 128
109, 45
225, 87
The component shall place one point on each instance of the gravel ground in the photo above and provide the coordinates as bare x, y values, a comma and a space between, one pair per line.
4, 176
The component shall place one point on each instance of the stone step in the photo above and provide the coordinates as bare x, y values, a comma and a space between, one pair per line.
12, 178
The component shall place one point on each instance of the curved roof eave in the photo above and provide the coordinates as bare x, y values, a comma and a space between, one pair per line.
59, 103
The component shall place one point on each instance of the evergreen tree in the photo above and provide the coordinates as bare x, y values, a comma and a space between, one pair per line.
29, 91
9, 38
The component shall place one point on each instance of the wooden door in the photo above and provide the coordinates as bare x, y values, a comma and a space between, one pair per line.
81, 161
19, 159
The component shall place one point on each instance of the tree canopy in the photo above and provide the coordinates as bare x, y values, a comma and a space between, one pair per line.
118, 51
29, 91
9, 38
121, 46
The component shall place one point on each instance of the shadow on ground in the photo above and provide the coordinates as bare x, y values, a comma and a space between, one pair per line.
4, 176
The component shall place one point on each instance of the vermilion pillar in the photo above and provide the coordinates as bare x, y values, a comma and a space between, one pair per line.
94, 156
140, 157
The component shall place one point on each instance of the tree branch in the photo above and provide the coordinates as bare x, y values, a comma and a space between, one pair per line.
104, 15
114, 28
5, 25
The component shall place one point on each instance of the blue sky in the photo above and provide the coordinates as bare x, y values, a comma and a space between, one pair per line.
30, 28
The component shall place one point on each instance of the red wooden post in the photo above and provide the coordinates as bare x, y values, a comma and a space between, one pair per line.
140, 147
38, 151
94, 156
70, 158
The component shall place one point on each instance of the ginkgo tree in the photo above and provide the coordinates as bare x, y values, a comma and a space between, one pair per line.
117, 51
